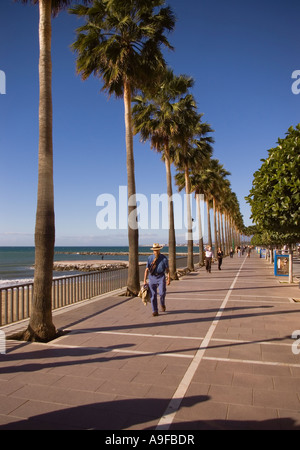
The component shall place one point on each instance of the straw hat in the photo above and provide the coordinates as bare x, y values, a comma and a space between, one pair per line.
156, 247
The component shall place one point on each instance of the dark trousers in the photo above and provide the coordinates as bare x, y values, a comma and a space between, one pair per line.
220, 260
157, 281
208, 264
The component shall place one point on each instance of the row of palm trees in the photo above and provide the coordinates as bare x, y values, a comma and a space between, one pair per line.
210, 181
168, 118
121, 43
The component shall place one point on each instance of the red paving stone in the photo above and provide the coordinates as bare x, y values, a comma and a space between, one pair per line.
220, 357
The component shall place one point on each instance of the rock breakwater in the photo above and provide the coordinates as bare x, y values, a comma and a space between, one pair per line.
88, 266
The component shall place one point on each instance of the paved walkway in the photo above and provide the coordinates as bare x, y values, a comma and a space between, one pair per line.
220, 357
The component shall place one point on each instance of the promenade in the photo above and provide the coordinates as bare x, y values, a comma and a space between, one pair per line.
220, 357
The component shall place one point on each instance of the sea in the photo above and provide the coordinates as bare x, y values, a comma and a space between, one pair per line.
17, 263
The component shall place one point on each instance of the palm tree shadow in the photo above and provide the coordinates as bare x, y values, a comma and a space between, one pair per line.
137, 414
120, 414
64, 357
277, 424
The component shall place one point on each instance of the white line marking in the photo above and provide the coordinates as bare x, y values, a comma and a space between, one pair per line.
174, 405
251, 361
202, 300
247, 299
137, 352
193, 338
206, 296
165, 336
118, 350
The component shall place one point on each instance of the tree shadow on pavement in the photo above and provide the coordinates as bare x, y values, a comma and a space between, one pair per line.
136, 414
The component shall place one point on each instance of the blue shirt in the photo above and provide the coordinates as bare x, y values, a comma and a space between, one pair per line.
162, 264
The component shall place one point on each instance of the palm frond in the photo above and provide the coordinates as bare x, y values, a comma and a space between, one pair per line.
122, 40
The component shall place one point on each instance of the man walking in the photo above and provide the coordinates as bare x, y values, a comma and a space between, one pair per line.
220, 258
208, 259
157, 267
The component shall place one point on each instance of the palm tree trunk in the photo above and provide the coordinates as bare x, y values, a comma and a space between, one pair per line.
201, 258
208, 224
223, 245
220, 245
133, 282
190, 260
215, 229
172, 239
228, 234
41, 327
227, 249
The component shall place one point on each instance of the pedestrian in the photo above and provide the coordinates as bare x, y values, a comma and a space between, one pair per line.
157, 267
231, 252
220, 258
248, 251
239, 251
208, 258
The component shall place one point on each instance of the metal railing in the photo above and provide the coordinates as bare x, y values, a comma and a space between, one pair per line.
15, 301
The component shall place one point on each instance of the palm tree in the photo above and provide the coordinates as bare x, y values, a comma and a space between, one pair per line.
120, 43
199, 184
200, 179
224, 188
234, 218
41, 327
225, 192
218, 174
191, 152
156, 118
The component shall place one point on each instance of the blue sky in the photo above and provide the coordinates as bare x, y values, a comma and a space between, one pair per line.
241, 55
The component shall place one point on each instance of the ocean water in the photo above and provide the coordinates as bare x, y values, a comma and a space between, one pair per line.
16, 263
